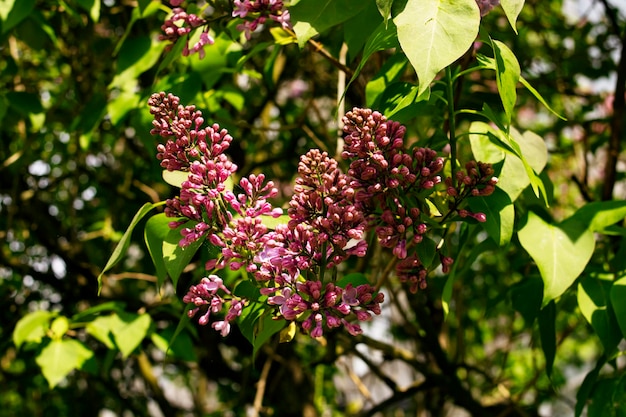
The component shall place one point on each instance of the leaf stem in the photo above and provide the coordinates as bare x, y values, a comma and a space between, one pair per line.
451, 123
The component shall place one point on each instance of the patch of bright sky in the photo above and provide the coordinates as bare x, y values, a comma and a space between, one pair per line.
593, 11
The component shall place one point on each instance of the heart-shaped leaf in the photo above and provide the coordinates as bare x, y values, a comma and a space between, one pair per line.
561, 252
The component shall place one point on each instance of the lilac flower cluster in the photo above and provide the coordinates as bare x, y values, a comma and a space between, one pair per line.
328, 216
325, 227
387, 178
206, 297
257, 12
180, 24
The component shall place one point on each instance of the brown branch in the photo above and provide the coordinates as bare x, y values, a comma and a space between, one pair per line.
617, 126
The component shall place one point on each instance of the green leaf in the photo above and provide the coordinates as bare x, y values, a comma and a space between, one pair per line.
526, 297
507, 76
512, 9
547, 334
358, 29
500, 215
175, 257
608, 398
136, 56
311, 17
257, 324
490, 63
12, 12
427, 252
594, 303
354, 278
124, 242
281, 37
384, 37
539, 97
155, 233
59, 327
492, 146
384, 7
175, 178
389, 73
587, 386
125, 101
60, 358
129, 330
412, 97
180, 346
601, 214
25, 103
96, 310
561, 252
533, 148
271, 222
435, 33
92, 6
101, 329
618, 301
32, 327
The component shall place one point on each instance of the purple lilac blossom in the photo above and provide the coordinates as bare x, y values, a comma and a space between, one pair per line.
180, 24
256, 12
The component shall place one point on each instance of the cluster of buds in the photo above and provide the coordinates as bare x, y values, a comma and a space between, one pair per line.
477, 180
329, 214
387, 179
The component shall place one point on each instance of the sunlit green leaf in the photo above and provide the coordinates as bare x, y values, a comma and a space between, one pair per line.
32, 327
155, 233
389, 73
175, 257
561, 252
60, 358
512, 9
507, 76
129, 330
435, 33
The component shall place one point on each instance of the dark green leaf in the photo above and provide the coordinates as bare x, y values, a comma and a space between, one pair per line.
310, 17
618, 301
587, 386
547, 333
500, 215
594, 302
12, 12
384, 7
526, 297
